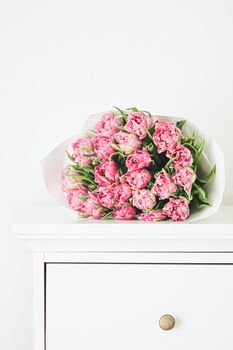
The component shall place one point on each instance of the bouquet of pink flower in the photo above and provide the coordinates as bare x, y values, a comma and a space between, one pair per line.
134, 165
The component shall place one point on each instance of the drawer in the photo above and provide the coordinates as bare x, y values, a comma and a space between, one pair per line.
118, 306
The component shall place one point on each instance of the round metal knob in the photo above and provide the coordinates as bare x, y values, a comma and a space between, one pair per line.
167, 322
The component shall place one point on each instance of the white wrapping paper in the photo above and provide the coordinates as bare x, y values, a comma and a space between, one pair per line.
53, 164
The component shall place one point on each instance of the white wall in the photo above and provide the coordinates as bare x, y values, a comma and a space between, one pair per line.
62, 60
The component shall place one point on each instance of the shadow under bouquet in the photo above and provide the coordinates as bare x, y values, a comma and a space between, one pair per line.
130, 164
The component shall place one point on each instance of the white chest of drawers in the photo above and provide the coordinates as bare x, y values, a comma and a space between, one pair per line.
107, 285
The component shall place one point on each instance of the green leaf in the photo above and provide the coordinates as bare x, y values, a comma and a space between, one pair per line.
116, 147
149, 134
192, 149
150, 147
75, 167
166, 167
89, 155
180, 124
79, 171
92, 130
133, 109
149, 114
107, 216
70, 157
188, 139
188, 198
88, 169
209, 177
82, 177
86, 148
160, 203
113, 155
84, 197
123, 114
96, 161
201, 204
199, 151
178, 192
119, 110
92, 187
90, 133
86, 178
200, 193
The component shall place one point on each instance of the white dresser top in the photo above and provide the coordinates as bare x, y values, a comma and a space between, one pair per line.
47, 220
59, 227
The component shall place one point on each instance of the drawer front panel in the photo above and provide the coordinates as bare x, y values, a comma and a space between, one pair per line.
118, 306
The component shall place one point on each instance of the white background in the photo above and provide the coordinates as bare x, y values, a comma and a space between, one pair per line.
63, 60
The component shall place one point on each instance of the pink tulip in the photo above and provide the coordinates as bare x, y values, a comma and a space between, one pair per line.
183, 157
73, 197
125, 213
138, 160
102, 147
138, 123
122, 194
166, 135
91, 209
164, 185
108, 125
69, 180
82, 148
177, 209
155, 215
144, 199
128, 143
185, 177
106, 173
105, 196
137, 179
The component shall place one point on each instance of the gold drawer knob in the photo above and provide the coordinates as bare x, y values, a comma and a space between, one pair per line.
167, 322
